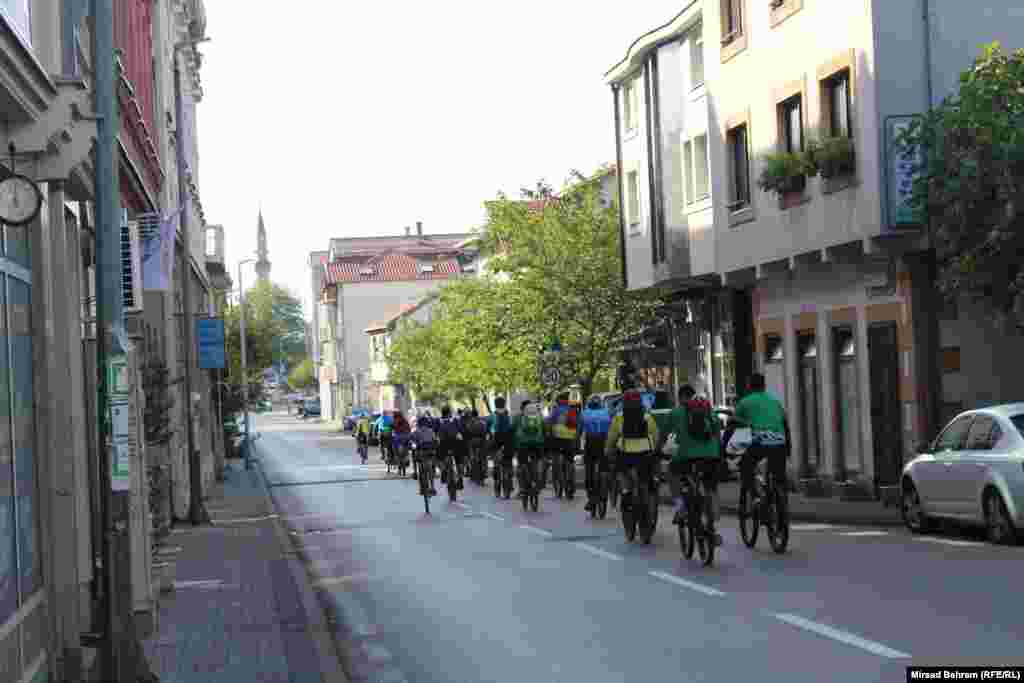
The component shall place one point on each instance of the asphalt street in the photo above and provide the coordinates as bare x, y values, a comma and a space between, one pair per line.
481, 591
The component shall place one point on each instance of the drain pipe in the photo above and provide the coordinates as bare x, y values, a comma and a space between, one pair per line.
621, 183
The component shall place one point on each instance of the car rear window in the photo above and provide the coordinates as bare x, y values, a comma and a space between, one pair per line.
1018, 422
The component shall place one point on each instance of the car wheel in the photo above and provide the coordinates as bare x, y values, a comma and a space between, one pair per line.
998, 525
913, 512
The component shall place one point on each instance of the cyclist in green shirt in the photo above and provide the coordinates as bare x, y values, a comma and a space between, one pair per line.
766, 417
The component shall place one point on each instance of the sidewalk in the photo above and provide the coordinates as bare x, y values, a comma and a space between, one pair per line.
241, 608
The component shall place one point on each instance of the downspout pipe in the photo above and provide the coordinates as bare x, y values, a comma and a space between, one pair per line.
620, 173
652, 186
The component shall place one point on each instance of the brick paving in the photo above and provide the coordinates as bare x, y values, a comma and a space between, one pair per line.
240, 611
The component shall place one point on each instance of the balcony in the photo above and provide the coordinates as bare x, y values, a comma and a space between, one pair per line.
133, 36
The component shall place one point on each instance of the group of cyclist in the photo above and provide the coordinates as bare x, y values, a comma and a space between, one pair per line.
627, 442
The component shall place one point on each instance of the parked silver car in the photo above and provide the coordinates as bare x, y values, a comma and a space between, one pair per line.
973, 473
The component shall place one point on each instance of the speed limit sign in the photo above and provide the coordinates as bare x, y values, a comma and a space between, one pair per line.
551, 377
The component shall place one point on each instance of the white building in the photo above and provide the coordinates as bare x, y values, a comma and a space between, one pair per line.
824, 288
364, 279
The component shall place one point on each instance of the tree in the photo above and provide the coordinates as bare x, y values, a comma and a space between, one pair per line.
970, 181
303, 375
562, 256
417, 358
275, 330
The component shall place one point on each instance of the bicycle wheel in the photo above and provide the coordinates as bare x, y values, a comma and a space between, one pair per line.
499, 475
613, 492
705, 537
556, 479
508, 481
452, 481
425, 487
687, 532
569, 477
650, 520
750, 520
628, 517
778, 532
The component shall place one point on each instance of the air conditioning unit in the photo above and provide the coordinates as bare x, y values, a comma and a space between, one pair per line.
131, 267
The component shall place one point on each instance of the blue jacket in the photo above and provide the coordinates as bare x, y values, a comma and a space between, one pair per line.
596, 421
385, 421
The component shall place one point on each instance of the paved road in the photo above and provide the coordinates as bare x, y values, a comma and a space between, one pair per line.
481, 591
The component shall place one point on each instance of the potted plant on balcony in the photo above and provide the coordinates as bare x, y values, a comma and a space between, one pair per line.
833, 158
785, 174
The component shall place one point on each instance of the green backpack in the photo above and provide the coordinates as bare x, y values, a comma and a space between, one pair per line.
531, 430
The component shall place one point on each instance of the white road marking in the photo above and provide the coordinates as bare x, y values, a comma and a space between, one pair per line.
490, 516
949, 541
533, 529
205, 583
239, 520
376, 653
811, 527
700, 588
842, 636
864, 533
462, 505
337, 580
594, 550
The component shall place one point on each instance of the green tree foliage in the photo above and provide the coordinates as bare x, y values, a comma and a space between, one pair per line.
274, 330
562, 256
418, 358
303, 375
971, 180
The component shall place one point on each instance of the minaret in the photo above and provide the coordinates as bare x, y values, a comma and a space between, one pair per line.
263, 264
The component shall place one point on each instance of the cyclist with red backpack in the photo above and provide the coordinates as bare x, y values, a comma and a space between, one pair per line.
698, 446
563, 433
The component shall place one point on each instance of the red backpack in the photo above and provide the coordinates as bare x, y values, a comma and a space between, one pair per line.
570, 417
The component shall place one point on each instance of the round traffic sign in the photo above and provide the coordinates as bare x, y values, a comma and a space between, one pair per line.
551, 376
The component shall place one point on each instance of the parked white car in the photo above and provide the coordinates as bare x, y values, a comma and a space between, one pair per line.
973, 472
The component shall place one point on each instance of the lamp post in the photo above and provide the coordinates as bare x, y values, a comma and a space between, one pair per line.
197, 512
245, 379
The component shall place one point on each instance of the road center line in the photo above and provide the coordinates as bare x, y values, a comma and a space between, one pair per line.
864, 533
594, 550
949, 541
842, 636
533, 529
700, 588
462, 505
490, 516
811, 527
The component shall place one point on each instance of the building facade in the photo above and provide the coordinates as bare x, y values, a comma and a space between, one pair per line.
365, 277
49, 452
384, 393
824, 287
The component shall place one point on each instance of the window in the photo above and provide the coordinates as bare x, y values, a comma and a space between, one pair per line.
837, 93
983, 435
1018, 422
633, 197
696, 178
954, 436
791, 124
211, 242
732, 20
736, 142
631, 104
697, 56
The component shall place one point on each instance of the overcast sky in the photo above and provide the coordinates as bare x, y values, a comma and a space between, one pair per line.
350, 119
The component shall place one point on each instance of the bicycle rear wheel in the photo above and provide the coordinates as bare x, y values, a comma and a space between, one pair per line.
749, 519
687, 533
778, 532
569, 477
705, 537
650, 520
556, 479
425, 487
452, 481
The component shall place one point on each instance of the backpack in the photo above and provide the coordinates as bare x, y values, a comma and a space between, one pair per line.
426, 436
449, 429
502, 423
698, 414
571, 415
531, 429
476, 428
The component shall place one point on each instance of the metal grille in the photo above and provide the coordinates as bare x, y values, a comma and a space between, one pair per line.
127, 268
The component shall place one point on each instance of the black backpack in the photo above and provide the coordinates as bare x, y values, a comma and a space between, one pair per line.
698, 418
449, 429
476, 428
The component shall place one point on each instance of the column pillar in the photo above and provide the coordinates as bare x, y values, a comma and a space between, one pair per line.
827, 410
867, 460
791, 363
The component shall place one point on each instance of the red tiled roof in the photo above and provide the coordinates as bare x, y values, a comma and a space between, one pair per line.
382, 324
389, 268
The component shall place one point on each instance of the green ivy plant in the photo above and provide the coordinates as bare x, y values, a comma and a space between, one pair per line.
784, 172
831, 157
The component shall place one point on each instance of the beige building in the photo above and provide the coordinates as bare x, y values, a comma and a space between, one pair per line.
825, 286
364, 279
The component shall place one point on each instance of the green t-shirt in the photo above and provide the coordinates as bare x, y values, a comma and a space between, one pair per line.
688, 448
762, 412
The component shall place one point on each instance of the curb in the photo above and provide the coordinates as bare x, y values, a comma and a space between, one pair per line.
319, 627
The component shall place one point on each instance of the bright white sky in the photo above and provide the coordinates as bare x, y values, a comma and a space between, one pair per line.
350, 119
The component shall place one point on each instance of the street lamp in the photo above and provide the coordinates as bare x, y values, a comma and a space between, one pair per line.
245, 380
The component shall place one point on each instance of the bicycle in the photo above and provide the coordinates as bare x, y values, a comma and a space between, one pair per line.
697, 528
602, 484
363, 450
425, 468
402, 458
477, 462
767, 505
451, 477
528, 479
640, 507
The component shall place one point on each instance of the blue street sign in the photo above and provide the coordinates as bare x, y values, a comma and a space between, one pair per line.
210, 340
